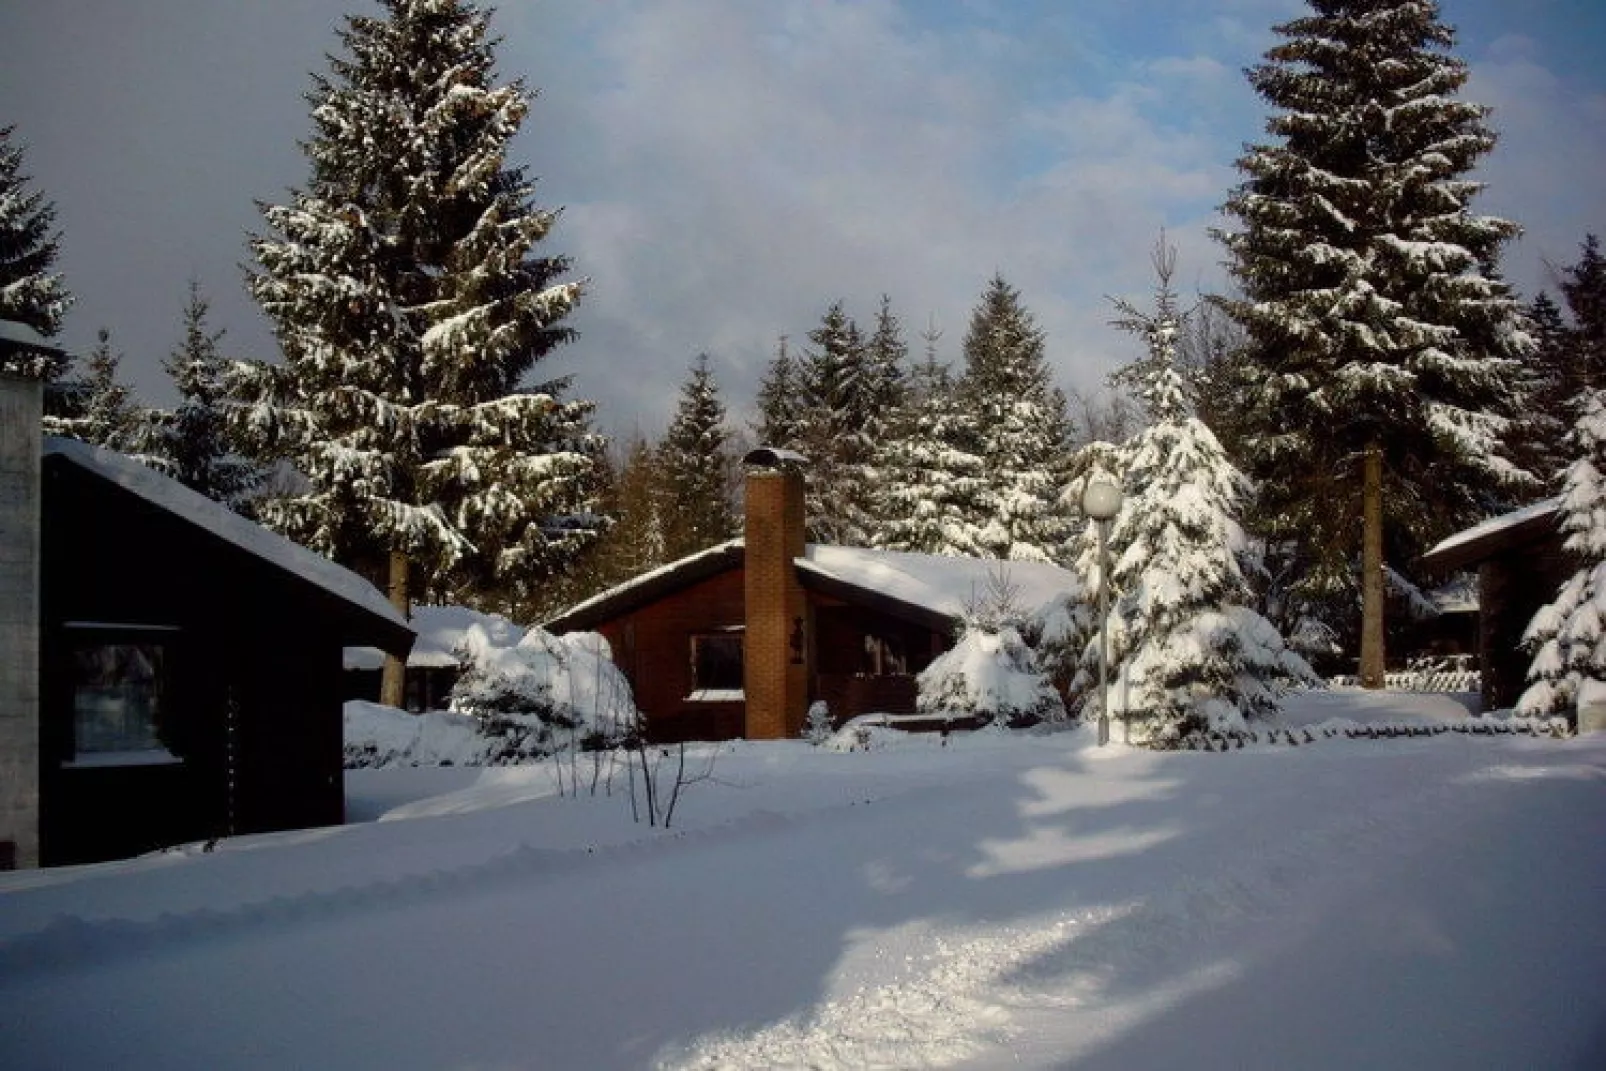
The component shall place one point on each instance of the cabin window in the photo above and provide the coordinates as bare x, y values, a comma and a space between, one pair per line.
121, 696
716, 665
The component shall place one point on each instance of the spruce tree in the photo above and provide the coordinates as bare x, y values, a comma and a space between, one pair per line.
406, 294
30, 293
778, 423
1568, 636
96, 408
1382, 364
696, 466
835, 396
1186, 643
192, 443
930, 482
1017, 426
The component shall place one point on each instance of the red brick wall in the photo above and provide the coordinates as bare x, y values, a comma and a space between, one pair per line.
653, 648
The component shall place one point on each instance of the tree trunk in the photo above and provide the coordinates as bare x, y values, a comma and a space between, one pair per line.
393, 682
1372, 569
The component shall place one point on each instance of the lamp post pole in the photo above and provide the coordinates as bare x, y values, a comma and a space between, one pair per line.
1101, 501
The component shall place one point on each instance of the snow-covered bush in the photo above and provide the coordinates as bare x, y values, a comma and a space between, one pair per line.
568, 682
378, 736
817, 727
990, 674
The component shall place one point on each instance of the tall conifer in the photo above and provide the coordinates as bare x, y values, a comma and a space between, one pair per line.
30, 292
1383, 359
696, 466
1017, 427
405, 290
192, 443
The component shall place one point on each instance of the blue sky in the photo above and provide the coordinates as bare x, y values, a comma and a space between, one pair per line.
727, 168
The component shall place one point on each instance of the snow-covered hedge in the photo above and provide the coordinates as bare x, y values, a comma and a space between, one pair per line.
381, 736
569, 683
991, 674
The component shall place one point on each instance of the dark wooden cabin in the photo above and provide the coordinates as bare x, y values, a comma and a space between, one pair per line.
1520, 565
191, 679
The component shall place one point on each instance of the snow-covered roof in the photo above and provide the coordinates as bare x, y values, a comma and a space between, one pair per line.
14, 333
771, 456
937, 583
440, 631
1459, 596
1468, 546
222, 522
643, 587
933, 584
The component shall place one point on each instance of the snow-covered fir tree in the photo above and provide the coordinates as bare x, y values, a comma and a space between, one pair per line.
696, 465
777, 403
834, 391
1185, 642
1017, 426
990, 673
406, 293
930, 482
1569, 359
1568, 636
30, 292
192, 442
1062, 630
1384, 354
96, 407
886, 377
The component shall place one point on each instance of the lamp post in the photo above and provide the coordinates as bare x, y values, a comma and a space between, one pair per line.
1101, 501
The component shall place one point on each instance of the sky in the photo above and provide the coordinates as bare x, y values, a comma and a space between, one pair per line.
728, 169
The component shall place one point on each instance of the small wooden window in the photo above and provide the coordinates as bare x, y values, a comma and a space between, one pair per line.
716, 662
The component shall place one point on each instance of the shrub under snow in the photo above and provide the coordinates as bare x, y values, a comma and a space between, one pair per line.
567, 682
990, 674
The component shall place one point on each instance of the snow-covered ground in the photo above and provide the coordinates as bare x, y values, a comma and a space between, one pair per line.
1007, 900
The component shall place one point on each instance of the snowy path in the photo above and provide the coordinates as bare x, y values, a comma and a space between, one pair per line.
1022, 903
1048, 990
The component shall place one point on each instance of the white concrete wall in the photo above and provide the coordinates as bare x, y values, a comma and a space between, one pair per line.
19, 619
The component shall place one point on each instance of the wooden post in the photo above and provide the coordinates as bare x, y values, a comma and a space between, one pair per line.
393, 681
1372, 592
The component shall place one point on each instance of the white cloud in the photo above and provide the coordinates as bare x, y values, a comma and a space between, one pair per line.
756, 162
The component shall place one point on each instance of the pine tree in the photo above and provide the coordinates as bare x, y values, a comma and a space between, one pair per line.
631, 492
1569, 360
1017, 427
1554, 385
96, 408
192, 443
1185, 642
405, 292
696, 466
30, 293
778, 423
1383, 358
930, 482
835, 396
1568, 636
1583, 286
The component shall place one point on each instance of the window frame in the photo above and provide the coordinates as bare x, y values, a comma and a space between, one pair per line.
722, 687
79, 638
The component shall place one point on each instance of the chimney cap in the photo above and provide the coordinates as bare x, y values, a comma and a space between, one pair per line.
773, 457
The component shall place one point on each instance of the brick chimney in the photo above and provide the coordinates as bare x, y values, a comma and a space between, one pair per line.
779, 627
